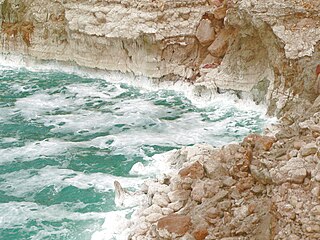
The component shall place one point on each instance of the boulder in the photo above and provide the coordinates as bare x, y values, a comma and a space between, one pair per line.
298, 144
229, 181
261, 175
152, 209
213, 213
173, 226
259, 142
220, 45
160, 199
293, 171
176, 206
194, 171
214, 169
198, 191
179, 195
216, 3
205, 32
167, 211
308, 149
200, 234
210, 60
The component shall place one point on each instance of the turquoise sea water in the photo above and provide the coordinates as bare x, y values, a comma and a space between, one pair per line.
64, 139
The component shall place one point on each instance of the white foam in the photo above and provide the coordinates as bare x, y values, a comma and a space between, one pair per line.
5, 114
40, 103
25, 182
33, 150
116, 226
79, 121
206, 99
9, 140
106, 93
157, 165
17, 214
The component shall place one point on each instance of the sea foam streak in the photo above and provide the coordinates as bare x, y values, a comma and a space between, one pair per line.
189, 89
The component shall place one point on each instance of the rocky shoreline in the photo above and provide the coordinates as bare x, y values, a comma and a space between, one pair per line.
267, 187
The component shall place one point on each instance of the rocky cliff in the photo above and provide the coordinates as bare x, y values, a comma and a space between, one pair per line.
267, 187
267, 48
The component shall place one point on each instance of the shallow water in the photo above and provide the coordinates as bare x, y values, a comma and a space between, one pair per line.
64, 139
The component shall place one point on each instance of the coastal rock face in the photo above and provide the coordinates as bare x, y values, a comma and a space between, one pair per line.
267, 48
269, 188
150, 38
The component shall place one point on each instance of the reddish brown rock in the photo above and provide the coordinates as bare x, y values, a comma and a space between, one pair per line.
216, 3
259, 142
200, 234
318, 70
194, 171
220, 12
209, 59
220, 45
264, 143
175, 224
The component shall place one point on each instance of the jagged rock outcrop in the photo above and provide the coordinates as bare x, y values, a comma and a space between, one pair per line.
267, 48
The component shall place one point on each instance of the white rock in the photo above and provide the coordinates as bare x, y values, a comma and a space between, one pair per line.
167, 211
152, 209
179, 195
176, 206
156, 187
160, 199
153, 217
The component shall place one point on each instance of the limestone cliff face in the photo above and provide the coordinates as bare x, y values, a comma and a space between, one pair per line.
270, 49
151, 38
277, 46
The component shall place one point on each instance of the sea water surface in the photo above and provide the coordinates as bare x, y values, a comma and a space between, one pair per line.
65, 137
